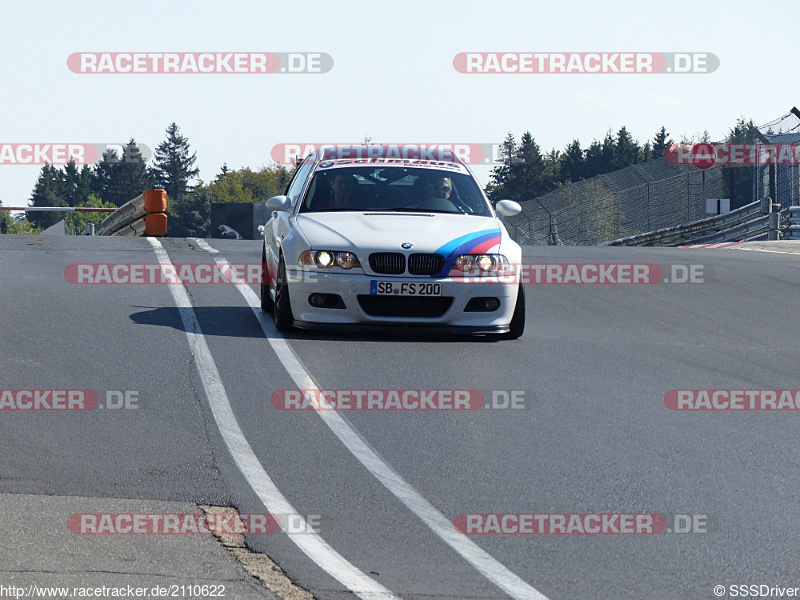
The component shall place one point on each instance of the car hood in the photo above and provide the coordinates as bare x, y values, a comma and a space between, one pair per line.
427, 232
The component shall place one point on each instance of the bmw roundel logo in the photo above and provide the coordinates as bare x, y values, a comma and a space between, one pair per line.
406, 245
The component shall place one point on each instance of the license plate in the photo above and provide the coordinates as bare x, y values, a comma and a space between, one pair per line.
405, 288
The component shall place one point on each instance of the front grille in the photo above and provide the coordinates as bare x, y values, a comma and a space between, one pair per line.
387, 263
405, 306
425, 264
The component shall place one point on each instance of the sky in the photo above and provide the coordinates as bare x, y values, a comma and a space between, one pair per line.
392, 79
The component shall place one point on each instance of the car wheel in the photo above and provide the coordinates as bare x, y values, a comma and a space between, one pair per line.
266, 300
282, 312
517, 325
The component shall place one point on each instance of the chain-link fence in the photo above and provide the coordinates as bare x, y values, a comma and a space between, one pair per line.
780, 182
633, 200
658, 194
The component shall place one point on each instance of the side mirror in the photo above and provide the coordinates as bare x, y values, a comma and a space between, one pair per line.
279, 203
507, 208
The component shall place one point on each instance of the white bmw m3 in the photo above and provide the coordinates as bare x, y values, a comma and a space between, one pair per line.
391, 242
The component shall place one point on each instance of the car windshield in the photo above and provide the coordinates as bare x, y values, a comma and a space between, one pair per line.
394, 189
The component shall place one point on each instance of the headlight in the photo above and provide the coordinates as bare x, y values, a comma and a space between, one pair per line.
480, 263
347, 260
485, 262
325, 259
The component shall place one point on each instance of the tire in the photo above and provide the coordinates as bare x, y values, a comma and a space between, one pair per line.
517, 325
282, 311
266, 300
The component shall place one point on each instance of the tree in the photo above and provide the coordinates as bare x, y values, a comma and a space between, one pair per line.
597, 160
551, 175
246, 185
173, 168
573, 164
15, 225
77, 183
104, 174
660, 142
645, 153
739, 180
131, 176
174, 171
528, 170
626, 150
77, 221
190, 214
120, 179
500, 180
50, 190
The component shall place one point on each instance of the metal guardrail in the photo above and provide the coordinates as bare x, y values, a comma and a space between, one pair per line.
791, 218
57, 209
144, 215
755, 220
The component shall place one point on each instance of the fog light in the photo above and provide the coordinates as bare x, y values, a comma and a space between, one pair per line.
326, 301
316, 300
482, 305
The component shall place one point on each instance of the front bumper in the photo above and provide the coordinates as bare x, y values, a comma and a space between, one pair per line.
349, 286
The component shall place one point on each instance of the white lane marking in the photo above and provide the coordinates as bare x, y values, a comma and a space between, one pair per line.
765, 250
481, 560
204, 246
312, 544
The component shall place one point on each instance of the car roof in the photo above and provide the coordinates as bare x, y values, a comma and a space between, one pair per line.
394, 155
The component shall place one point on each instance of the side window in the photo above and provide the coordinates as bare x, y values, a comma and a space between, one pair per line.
299, 181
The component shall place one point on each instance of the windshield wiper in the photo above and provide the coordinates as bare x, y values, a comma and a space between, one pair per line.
409, 209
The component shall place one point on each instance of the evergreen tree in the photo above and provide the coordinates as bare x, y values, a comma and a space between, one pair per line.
103, 174
77, 183
626, 150
607, 153
529, 170
174, 171
130, 176
594, 160
173, 168
645, 153
551, 176
190, 214
50, 190
120, 179
500, 180
739, 180
572, 162
660, 142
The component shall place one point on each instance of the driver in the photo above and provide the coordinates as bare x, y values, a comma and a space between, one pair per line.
441, 187
342, 195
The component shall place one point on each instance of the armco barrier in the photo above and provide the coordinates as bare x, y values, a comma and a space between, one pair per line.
144, 215
791, 220
758, 220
